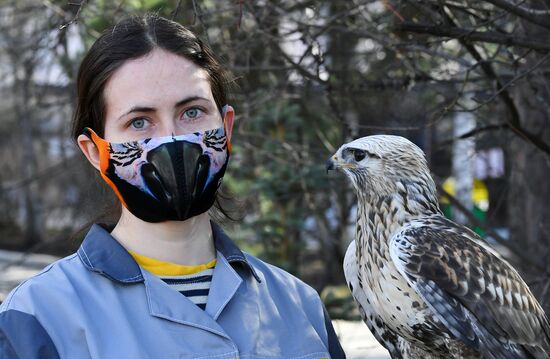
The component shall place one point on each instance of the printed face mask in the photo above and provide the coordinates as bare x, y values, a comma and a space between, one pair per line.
169, 178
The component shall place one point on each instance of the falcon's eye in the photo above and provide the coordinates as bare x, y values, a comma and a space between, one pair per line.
359, 155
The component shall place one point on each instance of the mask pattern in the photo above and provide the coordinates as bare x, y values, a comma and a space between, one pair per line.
165, 178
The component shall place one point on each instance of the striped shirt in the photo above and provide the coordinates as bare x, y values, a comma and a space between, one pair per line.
194, 286
191, 281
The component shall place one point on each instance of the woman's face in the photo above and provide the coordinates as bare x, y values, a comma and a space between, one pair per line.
160, 94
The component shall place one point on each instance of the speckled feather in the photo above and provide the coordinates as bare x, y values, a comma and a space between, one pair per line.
427, 287
485, 293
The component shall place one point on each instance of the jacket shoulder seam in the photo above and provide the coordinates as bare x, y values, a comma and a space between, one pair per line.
42, 272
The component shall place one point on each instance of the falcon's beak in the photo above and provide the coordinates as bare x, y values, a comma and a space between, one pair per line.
334, 163
330, 164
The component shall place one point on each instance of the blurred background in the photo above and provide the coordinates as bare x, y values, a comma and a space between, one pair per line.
468, 81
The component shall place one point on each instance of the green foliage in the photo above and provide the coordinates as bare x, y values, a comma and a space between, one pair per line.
274, 167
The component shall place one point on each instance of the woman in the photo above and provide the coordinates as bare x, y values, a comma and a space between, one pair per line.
165, 282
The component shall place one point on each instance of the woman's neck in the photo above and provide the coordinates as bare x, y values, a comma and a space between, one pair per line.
186, 242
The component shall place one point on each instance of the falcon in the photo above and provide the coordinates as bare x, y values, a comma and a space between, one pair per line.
425, 286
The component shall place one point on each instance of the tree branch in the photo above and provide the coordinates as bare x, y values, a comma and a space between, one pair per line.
473, 35
527, 14
475, 131
465, 36
76, 16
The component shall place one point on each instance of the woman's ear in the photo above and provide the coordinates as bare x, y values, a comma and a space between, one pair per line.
88, 147
229, 116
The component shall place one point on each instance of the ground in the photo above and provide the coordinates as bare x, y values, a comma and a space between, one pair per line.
357, 341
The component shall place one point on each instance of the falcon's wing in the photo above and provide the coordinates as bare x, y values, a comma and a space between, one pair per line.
478, 296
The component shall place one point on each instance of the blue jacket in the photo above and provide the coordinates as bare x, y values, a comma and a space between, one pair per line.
99, 303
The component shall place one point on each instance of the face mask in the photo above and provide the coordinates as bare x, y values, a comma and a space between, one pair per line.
170, 178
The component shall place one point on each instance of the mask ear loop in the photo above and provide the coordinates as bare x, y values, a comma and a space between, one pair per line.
224, 111
88, 133
104, 148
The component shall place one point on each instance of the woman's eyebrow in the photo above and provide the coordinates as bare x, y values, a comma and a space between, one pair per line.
152, 109
138, 109
189, 99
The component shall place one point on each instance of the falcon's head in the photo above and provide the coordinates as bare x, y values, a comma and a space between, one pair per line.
383, 165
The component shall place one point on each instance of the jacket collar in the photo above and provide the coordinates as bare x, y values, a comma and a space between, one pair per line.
230, 251
101, 253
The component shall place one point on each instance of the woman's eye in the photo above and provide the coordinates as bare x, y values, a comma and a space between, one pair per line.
192, 113
359, 155
138, 123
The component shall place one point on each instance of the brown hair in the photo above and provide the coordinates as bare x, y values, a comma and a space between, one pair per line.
132, 38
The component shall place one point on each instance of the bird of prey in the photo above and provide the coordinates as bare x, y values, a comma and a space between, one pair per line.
427, 287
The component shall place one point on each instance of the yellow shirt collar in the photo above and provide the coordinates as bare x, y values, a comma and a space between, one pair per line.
161, 268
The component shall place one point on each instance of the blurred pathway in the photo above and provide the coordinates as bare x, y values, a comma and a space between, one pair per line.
15, 267
356, 339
